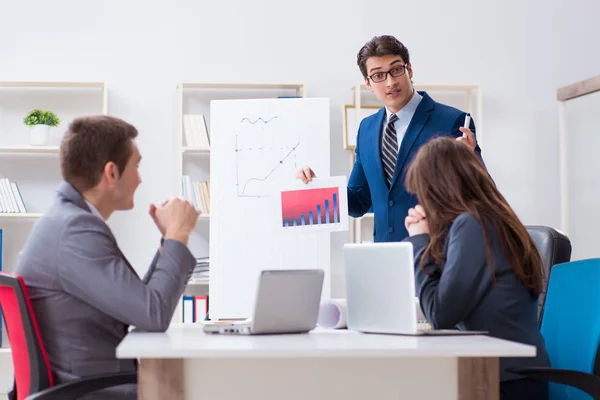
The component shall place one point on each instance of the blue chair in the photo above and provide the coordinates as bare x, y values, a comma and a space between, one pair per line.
571, 330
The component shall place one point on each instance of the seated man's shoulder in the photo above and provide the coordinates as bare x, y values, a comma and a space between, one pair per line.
67, 222
65, 228
39, 257
70, 215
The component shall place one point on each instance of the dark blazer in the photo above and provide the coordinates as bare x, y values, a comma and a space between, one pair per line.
459, 293
85, 294
368, 187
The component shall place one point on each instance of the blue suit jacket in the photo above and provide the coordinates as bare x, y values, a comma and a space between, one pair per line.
367, 186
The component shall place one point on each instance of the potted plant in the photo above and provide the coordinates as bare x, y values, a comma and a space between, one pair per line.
39, 123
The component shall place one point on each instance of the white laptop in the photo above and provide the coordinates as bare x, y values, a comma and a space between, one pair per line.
380, 290
287, 301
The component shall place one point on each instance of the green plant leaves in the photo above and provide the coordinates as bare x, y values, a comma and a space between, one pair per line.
41, 117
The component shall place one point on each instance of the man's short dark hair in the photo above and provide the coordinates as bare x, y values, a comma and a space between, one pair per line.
381, 46
90, 143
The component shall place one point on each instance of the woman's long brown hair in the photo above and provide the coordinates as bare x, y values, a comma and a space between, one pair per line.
448, 180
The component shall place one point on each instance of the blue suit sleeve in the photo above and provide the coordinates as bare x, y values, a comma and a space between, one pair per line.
449, 292
359, 194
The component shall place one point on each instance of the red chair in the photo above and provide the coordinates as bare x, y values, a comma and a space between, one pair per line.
33, 376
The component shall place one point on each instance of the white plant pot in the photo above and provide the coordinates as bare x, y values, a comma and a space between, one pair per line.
39, 135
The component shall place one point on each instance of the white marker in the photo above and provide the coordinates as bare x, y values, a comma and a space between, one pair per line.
467, 122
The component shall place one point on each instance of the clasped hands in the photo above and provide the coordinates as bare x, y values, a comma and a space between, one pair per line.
175, 218
416, 221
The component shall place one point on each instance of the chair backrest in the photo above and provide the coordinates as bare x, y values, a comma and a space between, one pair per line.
31, 366
555, 248
571, 323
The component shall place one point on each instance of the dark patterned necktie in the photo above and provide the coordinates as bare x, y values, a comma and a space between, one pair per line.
389, 148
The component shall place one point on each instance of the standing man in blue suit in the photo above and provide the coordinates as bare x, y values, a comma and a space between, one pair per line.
388, 140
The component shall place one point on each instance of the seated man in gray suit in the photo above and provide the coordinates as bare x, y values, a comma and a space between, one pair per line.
84, 292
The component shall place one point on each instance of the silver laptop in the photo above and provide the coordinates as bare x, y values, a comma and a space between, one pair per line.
380, 290
287, 301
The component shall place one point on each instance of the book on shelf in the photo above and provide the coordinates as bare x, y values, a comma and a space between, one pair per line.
196, 131
194, 308
187, 309
201, 270
197, 193
10, 197
200, 308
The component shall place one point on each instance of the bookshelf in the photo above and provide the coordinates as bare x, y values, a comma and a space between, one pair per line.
364, 103
35, 169
193, 99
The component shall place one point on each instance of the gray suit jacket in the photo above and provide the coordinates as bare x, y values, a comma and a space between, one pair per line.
85, 294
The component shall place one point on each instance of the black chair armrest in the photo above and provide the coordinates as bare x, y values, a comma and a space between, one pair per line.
587, 382
80, 387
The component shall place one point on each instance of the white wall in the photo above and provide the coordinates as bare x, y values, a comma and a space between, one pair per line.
518, 51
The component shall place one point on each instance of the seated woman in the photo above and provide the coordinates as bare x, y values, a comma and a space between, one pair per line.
476, 268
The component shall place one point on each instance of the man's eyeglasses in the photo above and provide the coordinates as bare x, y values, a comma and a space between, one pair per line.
382, 76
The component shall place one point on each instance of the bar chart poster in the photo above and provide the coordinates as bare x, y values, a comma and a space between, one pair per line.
311, 208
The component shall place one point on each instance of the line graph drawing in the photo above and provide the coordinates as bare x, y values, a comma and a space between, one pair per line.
258, 119
263, 154
280, 163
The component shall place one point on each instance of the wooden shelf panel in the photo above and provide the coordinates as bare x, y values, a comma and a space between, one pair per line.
198, 282
56, 85
578, 89
30, 149
217, 85
435, 87
192, 150
20, 215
